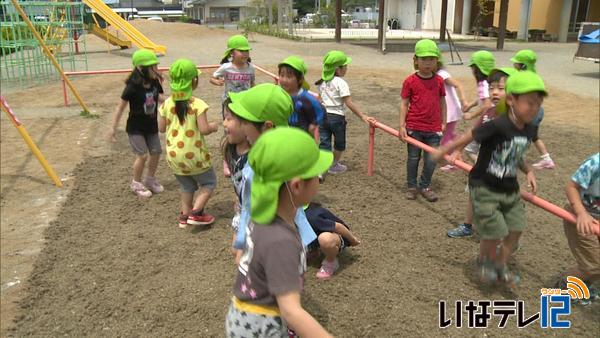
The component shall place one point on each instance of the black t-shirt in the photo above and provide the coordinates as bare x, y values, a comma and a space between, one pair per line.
236, 163
503, 147
143, 106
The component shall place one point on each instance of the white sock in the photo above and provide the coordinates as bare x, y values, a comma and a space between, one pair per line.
546, 156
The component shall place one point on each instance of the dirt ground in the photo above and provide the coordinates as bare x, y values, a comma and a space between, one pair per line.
92, 259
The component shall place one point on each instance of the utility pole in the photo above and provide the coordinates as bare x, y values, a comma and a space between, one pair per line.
502, 24
338, 21
443, 20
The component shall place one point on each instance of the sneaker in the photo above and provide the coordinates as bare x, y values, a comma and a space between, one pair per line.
226, 171
182, 221
487, 272
321, 179
337, 168
429, 195
411, 194
327, 269
463, 230
139, 189
448, 168
508, 277
200, 218
545, 163
152, 184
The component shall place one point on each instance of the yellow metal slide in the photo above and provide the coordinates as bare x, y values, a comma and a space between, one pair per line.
112, 18
111, 38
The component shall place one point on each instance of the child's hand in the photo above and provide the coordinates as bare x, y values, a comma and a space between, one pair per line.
403, 134
468, 116
437, 155
214, 126
585, 223
454, 156
368, 119
443, 127
110, 135
464, 105
218, 81
353, 241
531, 182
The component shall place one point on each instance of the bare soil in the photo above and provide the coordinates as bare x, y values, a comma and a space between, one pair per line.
92, 259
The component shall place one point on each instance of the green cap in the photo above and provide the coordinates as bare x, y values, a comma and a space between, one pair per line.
238, 42
264, 102
484, 60
298, 64
144, 57
506, 70
182, 74
332, 61
526, 57
425, 48
525, 82
278, 156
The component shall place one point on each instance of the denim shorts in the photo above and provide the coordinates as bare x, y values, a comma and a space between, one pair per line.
191, 183
335, 126
141, 144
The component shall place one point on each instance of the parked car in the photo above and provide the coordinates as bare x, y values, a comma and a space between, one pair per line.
155, 18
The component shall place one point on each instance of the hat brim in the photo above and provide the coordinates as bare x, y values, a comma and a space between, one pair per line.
320, 166
348, 60
238, 109
427, 54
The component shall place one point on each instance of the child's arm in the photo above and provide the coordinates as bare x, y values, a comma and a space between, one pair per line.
530, 176
459, 91
487, 104
217, 81
444, 109
115, 120
585, 222
299, 320
348, 102
462, 142
162, 124
204, 126
403, 111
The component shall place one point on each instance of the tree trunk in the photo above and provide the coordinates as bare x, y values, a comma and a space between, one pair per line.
270, 10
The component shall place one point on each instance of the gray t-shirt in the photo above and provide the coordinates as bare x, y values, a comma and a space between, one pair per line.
273, 263
236, 79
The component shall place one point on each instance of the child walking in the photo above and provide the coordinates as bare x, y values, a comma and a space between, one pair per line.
525, 60
259, 109
235, 153
422, 116
308, 112
269, 281
183, 118
142, 92
236, 73
454, 91
333, 236
498, 210
335, 93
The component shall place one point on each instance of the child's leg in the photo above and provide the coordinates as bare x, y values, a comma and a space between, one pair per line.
153, 164
325, 136
138, 167
433, 140
187, 199
412, 163
509, 244
330, 244
202, 198
338, 129
586, 251
207, 182
449, 133
154, 148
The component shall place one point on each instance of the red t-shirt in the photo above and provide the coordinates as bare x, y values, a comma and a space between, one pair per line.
424, 111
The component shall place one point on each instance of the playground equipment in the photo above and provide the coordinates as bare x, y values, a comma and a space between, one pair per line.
103, 33
34, 149
112, 18
535, 200
59, 25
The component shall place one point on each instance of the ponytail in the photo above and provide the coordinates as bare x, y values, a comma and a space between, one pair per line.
181, 108
318, 83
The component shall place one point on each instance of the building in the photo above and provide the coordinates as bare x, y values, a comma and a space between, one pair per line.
217, 11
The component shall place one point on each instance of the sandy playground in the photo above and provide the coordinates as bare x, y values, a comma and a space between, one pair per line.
92, 259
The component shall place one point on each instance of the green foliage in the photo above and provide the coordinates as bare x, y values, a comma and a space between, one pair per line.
249, 25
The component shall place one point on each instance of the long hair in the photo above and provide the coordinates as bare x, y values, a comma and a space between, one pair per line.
139, 76
226, 58
479, 76
181, 108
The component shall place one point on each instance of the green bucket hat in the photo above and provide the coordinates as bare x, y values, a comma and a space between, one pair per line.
484, 60
182, 74
264, 102
526, 57
144, 57
425, 48
525, 82
238, 42
298, 64
331, 61
506, 70
278, 156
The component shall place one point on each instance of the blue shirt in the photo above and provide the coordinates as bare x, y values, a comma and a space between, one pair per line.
588, 178
307, 110
307, 234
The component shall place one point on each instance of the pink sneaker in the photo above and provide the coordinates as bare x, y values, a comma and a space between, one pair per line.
545, 163
448, 168
152, 184
327, 269
139, 189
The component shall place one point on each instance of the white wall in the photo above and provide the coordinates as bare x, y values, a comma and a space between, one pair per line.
405, 10
432, 14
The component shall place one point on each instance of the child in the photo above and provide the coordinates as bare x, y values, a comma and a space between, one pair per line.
270, 275
259, 109
236, 73
235, 153
142, 92
497, 84
454, 90
482, 62
583, 192
183, 118
333, 235
308, 113
335, 93
422, 116
498, 210
525, 60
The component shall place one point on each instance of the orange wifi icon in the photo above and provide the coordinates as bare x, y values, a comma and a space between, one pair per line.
577, 288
